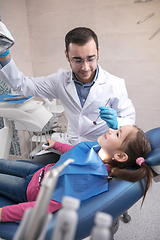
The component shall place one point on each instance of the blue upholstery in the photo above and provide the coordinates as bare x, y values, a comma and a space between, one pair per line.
153, 159
120, 197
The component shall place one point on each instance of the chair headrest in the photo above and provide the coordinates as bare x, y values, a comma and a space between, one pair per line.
153, 158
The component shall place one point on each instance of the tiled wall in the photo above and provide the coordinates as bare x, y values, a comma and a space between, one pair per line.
39, 28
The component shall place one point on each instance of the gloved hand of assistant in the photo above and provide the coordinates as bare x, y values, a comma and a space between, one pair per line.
109, 115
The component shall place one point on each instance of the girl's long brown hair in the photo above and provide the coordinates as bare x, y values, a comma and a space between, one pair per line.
135, 147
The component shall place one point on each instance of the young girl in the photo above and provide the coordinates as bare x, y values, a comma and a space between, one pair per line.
119, 150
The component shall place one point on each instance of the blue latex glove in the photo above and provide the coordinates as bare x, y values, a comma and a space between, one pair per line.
109, 115
5, 54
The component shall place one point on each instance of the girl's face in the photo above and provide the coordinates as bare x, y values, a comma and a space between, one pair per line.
111, 141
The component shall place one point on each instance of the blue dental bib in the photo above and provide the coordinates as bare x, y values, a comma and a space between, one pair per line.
83, 178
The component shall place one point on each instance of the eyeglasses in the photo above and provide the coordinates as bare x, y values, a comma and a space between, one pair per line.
79, 61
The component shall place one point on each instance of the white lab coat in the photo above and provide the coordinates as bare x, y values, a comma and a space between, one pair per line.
61, 86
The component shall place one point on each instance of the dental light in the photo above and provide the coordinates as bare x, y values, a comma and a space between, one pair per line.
6, 39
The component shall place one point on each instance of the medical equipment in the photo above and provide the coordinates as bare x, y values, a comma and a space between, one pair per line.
26, 116
95, 122
101, 230
142, 20
154, 34
6, 39
26, 112
51, 128
67, 219
120, 197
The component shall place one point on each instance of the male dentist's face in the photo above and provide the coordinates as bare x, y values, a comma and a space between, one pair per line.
83, 60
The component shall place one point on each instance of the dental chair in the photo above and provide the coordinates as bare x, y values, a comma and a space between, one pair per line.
116, 201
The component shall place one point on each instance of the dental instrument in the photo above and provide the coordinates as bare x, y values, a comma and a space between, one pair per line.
95, 122
142, 20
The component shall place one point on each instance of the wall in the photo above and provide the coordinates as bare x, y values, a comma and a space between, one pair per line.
126, 50
39, 28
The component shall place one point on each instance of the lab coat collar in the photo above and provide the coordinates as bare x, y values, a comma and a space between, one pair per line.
72, 92
101, 78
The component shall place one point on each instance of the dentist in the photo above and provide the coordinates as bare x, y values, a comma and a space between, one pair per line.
83, 91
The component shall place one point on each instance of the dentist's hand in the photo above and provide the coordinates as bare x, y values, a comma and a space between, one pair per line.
109, 115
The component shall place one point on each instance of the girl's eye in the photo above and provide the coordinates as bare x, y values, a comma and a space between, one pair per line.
117, 134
